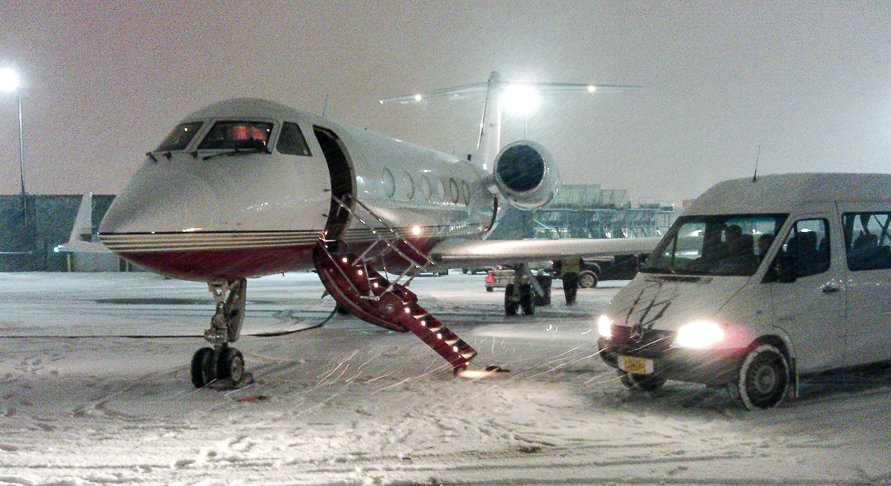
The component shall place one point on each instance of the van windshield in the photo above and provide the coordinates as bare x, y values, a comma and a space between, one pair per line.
727, 245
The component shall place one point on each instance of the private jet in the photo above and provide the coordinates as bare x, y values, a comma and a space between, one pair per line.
249, 187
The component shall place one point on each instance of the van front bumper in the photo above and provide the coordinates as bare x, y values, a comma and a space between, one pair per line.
711, 367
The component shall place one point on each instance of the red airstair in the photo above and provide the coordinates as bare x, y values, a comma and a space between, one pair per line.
370, 296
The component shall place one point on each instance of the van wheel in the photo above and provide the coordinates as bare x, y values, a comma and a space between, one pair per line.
763, 378
634, 381
587, 279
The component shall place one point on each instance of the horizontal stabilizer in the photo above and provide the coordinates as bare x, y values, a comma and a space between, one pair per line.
468, 90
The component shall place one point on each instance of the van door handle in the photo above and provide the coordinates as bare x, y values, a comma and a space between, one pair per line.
830, 288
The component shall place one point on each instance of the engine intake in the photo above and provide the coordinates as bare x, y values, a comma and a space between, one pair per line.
526, 175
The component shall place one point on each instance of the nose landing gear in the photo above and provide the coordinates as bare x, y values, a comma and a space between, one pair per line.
222, 365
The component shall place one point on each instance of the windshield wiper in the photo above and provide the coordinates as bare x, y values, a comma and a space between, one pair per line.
238, 151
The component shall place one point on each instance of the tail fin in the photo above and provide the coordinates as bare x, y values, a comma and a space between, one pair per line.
83, 222
81, 238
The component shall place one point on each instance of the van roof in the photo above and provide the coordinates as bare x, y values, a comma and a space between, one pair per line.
782, 193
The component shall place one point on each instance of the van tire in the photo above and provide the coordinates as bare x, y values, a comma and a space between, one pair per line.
634, 381
763, 379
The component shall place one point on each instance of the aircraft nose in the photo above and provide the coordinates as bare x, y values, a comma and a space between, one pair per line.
158, 201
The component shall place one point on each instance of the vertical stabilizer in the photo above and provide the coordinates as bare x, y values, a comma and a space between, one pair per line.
83, 222
81, 238
490, 126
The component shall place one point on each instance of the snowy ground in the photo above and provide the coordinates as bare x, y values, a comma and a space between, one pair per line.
349, 403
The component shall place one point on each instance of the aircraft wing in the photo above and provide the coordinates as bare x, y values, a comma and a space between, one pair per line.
459, 252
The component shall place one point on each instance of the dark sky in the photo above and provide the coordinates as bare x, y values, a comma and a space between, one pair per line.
810, 82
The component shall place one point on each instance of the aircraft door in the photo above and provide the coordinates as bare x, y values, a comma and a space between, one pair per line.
808, 292
342, 180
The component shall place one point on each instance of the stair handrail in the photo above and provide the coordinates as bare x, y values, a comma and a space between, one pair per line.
412, 263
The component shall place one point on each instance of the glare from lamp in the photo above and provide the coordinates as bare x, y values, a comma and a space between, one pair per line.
699, 334
605, 326
520, 99
9, 80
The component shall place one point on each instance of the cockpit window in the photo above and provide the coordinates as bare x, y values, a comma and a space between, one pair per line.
291, 141
237, 135
180, 137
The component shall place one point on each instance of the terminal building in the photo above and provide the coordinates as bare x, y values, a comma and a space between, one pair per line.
32, 226
587, 211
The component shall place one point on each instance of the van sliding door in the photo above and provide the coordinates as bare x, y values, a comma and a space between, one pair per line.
867, 238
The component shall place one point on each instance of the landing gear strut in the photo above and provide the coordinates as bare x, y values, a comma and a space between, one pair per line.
521, 293
221, 363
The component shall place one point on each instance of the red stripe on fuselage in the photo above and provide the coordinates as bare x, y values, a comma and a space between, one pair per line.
208, 265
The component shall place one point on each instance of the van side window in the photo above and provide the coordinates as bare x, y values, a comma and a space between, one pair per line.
291, 141
806, 250
867, 242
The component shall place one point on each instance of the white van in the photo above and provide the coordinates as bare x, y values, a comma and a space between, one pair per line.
760, 282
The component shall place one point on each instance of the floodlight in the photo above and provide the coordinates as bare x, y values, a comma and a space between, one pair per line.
520, 99
9, 79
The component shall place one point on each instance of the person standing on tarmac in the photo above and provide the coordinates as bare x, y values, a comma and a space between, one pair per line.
569, 272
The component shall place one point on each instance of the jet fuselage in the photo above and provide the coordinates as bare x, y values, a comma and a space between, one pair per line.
246, 187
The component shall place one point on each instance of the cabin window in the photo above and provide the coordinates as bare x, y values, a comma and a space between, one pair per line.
454, 191
409, 185
440, 190
389, 183
867, 240
425, 187
237, 135
291, 141
465, 192
180, 137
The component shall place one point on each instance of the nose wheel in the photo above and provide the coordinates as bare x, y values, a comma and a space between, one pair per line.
204, 368
221, 365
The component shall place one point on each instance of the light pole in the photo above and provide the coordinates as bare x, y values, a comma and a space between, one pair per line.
9, 81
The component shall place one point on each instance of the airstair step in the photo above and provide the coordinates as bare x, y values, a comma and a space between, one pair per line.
371, 297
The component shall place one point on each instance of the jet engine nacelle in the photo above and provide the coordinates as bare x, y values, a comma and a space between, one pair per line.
526, 175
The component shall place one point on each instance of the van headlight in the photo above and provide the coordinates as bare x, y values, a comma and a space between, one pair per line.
699, 334
605, 326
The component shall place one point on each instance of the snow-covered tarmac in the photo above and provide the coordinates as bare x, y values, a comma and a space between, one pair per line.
96, 390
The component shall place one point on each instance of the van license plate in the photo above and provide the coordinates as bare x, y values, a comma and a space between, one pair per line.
641, 366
